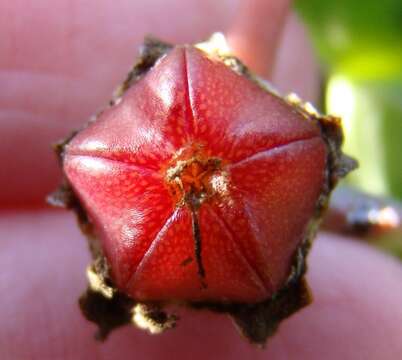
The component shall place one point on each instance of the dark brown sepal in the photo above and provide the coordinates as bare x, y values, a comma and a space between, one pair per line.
260, 321
107, 313
257, 322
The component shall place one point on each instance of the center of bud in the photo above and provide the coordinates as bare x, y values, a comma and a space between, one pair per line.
192, 177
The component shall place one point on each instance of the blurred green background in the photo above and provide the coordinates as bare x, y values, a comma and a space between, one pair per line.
360, 46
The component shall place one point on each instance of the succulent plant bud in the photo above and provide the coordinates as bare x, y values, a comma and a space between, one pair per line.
199, 185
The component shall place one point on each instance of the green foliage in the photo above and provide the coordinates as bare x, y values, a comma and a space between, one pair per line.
361, 38
360, 42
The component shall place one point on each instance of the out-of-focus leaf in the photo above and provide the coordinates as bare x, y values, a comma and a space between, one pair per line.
360, 38
360, 42
390, 97
371, 113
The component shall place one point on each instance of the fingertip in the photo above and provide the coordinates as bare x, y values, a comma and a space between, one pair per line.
256, 32
296, 68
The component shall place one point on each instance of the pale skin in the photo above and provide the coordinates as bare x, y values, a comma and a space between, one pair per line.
59, 62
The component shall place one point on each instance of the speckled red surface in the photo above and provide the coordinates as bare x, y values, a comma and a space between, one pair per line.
258, 200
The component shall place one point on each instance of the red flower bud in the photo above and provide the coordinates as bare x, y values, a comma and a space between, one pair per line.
201, 185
